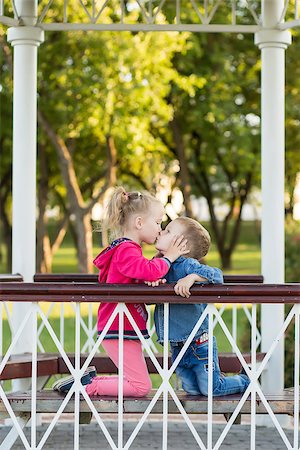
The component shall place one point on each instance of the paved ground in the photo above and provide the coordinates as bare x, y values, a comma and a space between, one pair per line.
150, 437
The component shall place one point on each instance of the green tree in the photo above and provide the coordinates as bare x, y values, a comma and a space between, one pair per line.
125, 107
214, 132
96, 110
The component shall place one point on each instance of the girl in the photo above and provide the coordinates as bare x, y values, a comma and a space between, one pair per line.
133, 218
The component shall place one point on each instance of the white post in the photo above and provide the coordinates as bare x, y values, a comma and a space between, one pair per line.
25, 41
272, 44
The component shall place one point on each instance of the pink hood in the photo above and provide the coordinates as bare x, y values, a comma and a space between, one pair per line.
103, 260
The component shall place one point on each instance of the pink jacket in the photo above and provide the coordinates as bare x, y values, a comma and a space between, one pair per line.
123, 262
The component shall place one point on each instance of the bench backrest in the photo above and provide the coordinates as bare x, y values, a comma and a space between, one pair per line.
10, 277
90, 278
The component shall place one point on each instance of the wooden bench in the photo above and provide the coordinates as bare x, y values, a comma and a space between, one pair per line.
48, 364
49, 401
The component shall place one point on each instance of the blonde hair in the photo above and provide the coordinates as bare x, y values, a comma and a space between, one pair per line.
198, 237
122, 205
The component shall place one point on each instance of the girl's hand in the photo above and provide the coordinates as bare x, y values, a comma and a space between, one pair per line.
156, 283
177, 248
182, 287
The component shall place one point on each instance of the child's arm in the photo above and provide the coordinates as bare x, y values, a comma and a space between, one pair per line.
132, 264
196, 272
182, 287
211, 274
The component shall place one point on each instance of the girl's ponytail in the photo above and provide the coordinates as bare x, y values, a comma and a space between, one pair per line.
114, 216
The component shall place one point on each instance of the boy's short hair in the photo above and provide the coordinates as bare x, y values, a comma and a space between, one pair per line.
198, 237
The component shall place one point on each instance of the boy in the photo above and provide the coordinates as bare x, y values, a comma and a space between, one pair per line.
185, 271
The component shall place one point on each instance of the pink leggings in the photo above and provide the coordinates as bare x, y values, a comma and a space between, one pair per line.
137, 382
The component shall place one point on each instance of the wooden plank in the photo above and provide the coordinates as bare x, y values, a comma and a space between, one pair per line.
49, 401
139, 293
93, 278
10, 277
104, 364
229, 362
19, 366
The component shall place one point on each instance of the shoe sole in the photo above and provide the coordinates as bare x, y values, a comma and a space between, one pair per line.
65, 384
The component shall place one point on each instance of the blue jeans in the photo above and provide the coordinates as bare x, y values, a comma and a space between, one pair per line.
193, 371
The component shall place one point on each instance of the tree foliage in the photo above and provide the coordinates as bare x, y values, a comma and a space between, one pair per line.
115, 88
215, 128
146, 110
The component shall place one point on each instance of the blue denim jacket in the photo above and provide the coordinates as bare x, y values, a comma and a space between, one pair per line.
183, 317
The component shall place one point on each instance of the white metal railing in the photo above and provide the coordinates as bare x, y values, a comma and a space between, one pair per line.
165, 389
88, 325
190, 15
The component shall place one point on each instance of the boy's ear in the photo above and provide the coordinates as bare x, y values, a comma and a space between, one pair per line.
138, 222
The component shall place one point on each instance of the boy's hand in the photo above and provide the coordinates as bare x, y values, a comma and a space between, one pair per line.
156, 283
177, 248
182, 287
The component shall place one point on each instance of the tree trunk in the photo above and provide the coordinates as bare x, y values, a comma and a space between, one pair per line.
6, 226
7, 238
184, 172
45, 248
226, 257
44, 259
83, 230
76, 203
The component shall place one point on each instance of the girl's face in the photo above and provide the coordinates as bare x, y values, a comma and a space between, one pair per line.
151, 225
164, 240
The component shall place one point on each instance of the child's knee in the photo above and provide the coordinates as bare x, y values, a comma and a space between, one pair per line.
91, 389
204, 392
144, 388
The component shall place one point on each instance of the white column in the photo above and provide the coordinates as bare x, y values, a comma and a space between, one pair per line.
272, 44
25, 41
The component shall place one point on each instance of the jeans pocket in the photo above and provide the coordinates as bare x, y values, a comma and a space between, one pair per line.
200, 351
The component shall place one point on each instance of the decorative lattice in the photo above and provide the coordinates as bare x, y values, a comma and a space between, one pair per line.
194, 15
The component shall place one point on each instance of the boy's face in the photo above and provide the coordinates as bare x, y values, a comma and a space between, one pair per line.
167, 235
